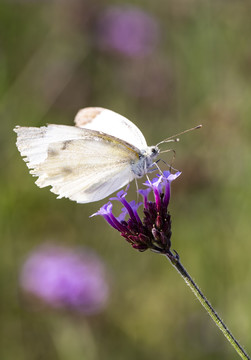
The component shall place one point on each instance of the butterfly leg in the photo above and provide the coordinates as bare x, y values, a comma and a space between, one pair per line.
172, 161
170, 166
173, 157
137, 189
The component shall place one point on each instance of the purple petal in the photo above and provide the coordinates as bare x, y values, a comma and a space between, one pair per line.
156, 185
134, 206
151, 182
167, 179
106, 209
124, 210
167, 194
122, 215
120, 195
171, 177
145, 193
106, 212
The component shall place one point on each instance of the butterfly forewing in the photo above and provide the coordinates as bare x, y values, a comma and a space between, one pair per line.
80, 164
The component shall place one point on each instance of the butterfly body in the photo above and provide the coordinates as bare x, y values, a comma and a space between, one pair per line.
89, 161
145, 162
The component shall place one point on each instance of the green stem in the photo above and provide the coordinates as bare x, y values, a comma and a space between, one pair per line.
174, 259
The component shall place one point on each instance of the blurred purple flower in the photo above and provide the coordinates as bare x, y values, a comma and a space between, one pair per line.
127, 30
153, 231
64, 278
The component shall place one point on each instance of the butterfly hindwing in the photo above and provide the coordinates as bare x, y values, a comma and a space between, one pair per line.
111, 123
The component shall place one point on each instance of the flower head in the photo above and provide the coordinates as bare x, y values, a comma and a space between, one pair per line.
154, 230
65, 278
128, 31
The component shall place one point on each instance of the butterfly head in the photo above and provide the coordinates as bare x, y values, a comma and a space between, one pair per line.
149, 154
146, 160
154, 151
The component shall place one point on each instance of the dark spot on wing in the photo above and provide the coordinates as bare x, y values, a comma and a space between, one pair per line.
65, 144
52, 152
66, 170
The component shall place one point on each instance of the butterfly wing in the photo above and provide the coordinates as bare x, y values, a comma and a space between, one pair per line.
80, 164
111, 123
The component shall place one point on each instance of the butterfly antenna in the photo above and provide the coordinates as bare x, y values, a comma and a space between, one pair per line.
174, 137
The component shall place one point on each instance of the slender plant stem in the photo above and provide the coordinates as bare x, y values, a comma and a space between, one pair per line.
174, 259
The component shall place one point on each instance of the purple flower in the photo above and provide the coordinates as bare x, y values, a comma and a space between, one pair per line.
127, 30
65, 278
154, 230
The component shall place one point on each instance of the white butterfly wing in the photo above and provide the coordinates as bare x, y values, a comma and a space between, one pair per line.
80, 164
111, 123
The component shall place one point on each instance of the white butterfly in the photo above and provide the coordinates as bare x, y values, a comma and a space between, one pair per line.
89, 161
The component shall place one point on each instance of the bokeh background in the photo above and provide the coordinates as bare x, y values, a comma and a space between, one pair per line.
167, 66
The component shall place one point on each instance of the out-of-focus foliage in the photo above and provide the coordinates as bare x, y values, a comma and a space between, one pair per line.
197, 69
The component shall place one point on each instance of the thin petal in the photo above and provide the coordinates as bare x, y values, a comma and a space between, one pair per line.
171, 177
134, 206
106, 209
106, 212
145, 193
122, 215
120, 195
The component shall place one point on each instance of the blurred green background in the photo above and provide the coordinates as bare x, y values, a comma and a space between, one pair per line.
199, 71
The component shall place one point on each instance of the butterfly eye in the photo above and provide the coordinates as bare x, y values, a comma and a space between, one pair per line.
154, 151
